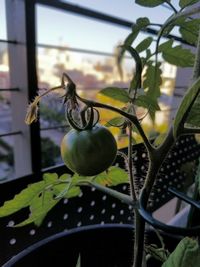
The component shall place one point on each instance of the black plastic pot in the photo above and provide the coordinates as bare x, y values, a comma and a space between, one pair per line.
99, 245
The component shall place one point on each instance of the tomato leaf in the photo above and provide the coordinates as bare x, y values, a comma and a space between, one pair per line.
146, 102
176, 55
116, 93
186, 106
150, 3
185, 3
113, 177
21, 200
143, 45
152, 82
140, 24
39, 208
187, 253
189, 30
116, 122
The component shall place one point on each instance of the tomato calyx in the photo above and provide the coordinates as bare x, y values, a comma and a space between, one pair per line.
87, 119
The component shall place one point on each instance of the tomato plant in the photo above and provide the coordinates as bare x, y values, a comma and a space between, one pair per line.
89, 149
89, 152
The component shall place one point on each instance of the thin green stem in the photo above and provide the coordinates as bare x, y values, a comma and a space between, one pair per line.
118, 195
138, 239
132, 118
156, 158
130, 163
171, 6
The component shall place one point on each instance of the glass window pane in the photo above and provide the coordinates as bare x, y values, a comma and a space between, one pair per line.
50, 142
3, 33
7, 170
5, 113
126, 9
65, 30
4, 67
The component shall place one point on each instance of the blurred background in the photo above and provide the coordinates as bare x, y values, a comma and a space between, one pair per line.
81, 39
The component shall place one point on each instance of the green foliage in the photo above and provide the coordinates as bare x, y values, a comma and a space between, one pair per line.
41, 197
150, 3
144, 91
116, 93
176, 55
144, 44
152, 82
114, 177
185, 3
137, 27
189, 30
187, 253
186, 107
146, 102
116, 121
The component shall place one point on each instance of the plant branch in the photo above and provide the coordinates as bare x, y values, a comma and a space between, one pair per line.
171, 6
130, 163
109, 191
188, 130
132, 118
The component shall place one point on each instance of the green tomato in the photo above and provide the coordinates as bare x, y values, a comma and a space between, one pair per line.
89, 152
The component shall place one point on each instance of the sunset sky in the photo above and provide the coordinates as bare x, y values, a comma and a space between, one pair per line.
57, 27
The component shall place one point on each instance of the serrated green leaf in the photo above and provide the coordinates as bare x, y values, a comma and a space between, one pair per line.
144, 44
142, 22
21, 200
184, 3
186, 254
50, 178
152, 82
193, 119
150, 3
189, 30
186, 105
116, 93
116, 122
113, 177
176, 55
146, 102
39, 208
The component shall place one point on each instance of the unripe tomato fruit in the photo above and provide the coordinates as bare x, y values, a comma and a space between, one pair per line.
89, 152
